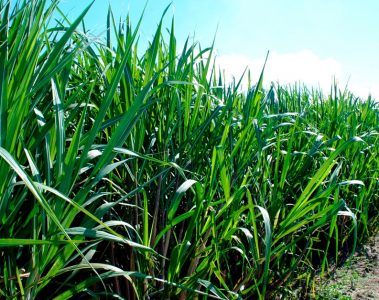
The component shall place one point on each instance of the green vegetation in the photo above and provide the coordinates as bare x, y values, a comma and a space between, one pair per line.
135, 174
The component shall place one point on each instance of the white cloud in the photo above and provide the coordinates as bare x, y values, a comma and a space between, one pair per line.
287, 68
365, 88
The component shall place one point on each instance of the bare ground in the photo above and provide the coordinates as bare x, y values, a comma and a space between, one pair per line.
359, 279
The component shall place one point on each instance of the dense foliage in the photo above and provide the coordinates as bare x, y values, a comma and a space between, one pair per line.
142, 174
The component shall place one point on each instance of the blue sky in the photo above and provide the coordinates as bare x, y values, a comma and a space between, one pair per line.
308, 40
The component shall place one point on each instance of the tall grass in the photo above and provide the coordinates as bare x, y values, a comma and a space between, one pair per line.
143, 174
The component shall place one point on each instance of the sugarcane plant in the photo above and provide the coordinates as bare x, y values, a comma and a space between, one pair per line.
131, 174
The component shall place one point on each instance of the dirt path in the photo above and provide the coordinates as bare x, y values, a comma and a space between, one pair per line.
368, 285
359, 279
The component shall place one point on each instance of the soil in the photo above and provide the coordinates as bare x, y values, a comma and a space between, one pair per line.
358, 279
